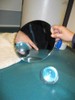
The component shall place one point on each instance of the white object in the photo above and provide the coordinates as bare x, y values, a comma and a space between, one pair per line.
50, 11
71, 22
60, 45
63, 46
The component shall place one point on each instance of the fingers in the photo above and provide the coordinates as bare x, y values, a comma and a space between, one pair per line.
57, 39
33, 45
24, 38
30, 42
56, 35
56, 32
56, 27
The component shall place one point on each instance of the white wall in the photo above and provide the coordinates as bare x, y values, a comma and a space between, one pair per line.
13, 5
10, 13
71, 22
51, 11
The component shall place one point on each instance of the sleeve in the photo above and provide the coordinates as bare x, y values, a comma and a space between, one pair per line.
73, 41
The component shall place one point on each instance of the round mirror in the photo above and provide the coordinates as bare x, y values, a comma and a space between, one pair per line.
39, 32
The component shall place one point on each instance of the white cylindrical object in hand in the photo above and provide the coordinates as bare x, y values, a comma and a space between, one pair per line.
60, 45
63, 46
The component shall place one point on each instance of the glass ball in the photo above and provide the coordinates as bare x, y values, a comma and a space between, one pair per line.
50, 75
22, 49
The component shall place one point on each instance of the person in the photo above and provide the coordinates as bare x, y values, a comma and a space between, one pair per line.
37, 34
61, 32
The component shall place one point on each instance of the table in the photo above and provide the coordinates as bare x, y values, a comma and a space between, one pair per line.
22, 81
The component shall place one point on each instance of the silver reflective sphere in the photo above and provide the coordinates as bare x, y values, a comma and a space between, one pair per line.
50, 75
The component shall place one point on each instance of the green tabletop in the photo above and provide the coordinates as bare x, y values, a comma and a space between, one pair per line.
22, 81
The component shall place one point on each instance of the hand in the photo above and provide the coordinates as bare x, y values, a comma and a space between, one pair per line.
61, 32
24, 38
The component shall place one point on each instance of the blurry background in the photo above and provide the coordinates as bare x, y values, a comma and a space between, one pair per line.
15, 13
71, 21
10, 15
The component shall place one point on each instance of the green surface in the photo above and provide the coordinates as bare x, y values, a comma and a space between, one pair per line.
22, 80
